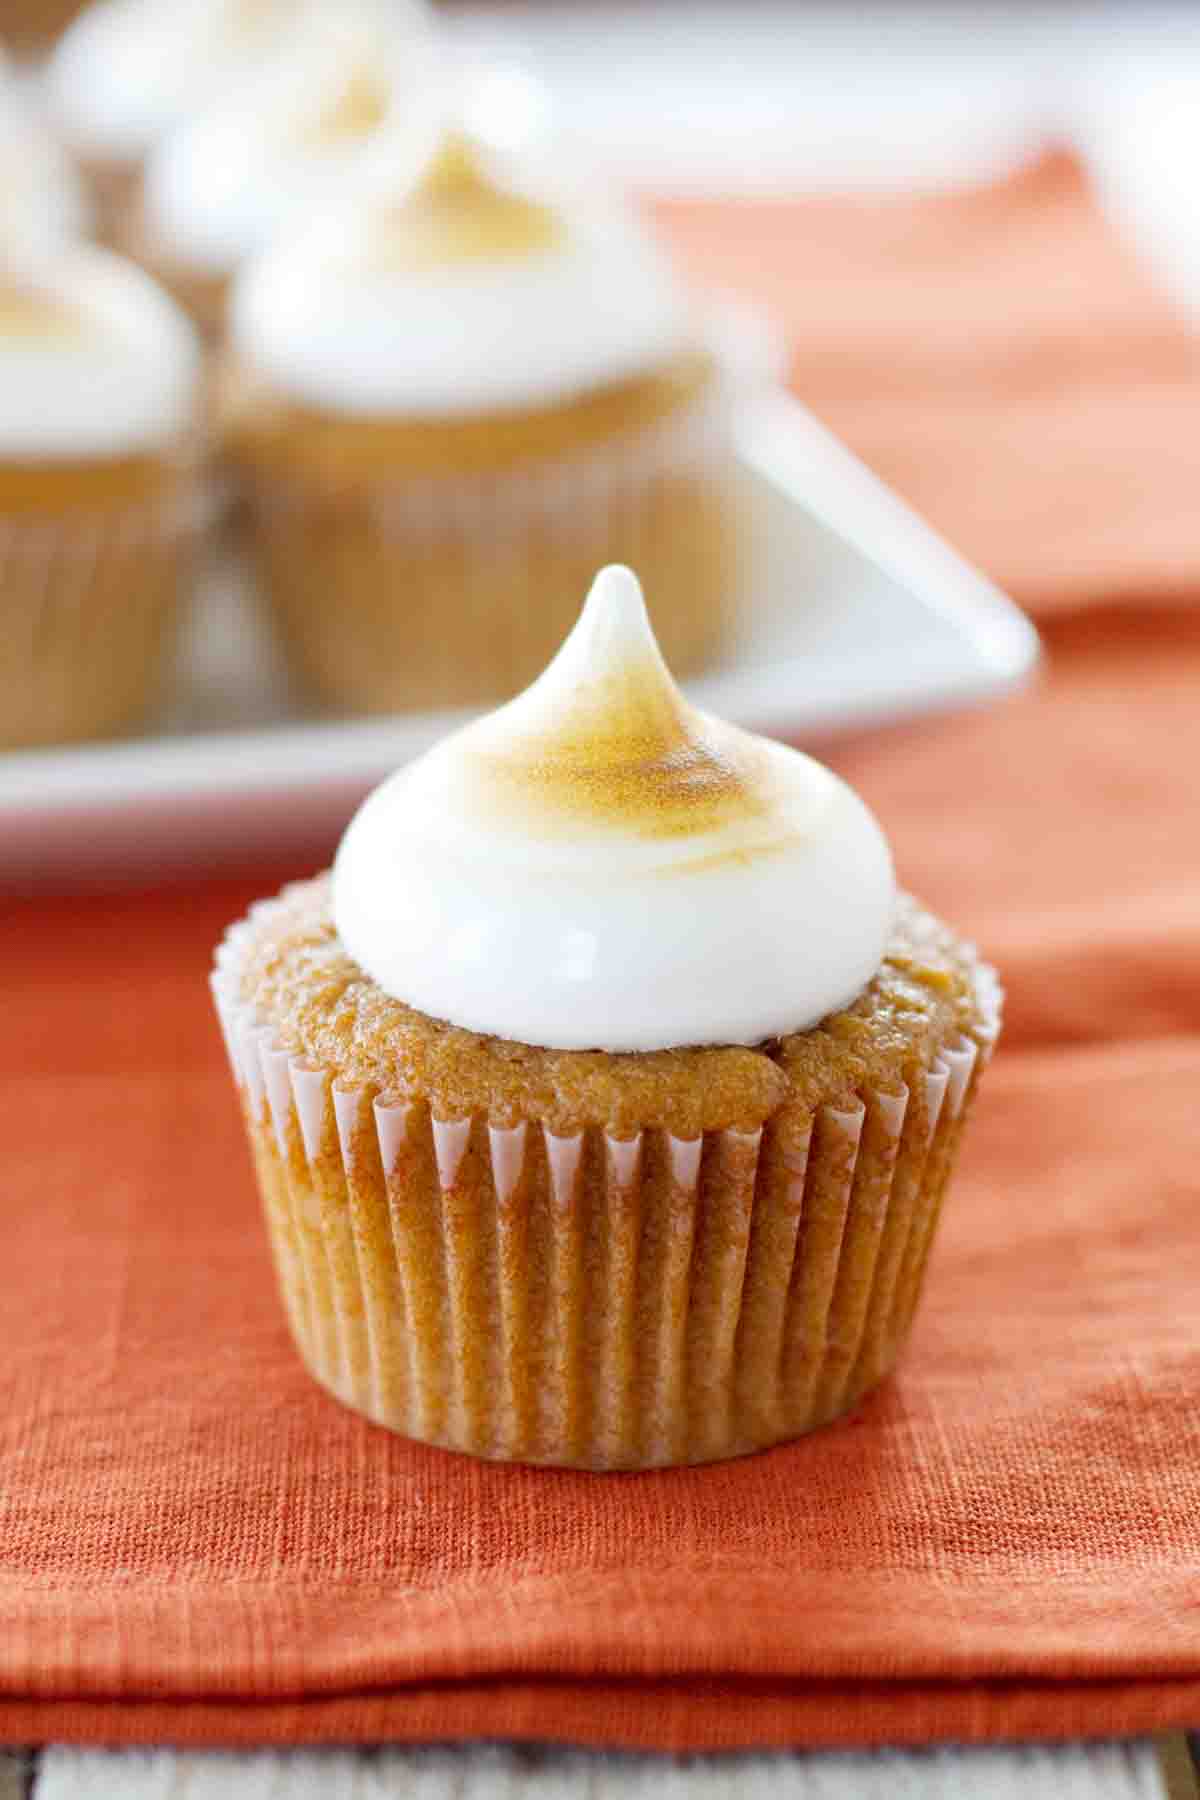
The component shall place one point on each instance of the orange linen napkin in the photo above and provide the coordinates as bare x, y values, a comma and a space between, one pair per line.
998, 357
198, 1545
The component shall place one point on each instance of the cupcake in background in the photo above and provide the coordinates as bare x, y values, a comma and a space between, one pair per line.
129, 71
286, 143
98, 489
603, 1102
447, 406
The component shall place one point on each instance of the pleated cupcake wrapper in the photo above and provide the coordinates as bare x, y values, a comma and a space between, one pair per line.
594, 1300
563, 493
84, 533
85, 596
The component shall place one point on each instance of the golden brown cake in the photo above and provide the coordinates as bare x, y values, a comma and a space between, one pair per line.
605, 1257
448, 412
98, 493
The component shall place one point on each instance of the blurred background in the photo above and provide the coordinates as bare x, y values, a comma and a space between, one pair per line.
850, 178
763, 94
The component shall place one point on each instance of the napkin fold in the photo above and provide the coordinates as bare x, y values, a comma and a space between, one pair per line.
197, 1545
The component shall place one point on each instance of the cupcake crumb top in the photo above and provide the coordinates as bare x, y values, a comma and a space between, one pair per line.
297, 978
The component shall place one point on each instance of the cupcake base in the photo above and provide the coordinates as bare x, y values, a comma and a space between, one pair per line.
91, 604
595, 1300
406, 570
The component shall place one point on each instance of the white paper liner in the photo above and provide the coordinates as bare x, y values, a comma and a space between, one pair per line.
84, 533
90, 599
594, 1300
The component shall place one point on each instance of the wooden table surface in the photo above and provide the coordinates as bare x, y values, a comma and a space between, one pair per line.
1160, 1770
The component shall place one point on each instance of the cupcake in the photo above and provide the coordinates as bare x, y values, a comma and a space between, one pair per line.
447, 409
98, 489
284, 144
127, 72
604, 1099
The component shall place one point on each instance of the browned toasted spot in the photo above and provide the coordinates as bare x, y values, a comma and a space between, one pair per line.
29, 314
632, 753
355, 109
249, 18
458, 214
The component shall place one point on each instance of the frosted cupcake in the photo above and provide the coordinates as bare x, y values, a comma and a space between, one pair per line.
128, 72
603, 1102
98, 490
451, 408
284, 145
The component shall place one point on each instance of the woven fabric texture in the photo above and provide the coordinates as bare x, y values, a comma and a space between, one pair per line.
198, 1545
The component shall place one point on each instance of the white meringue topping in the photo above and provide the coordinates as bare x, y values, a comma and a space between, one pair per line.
598, 865
482, 288
127, 71
95, 360
223, 186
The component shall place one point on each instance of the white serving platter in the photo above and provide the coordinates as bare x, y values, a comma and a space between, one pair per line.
854, 614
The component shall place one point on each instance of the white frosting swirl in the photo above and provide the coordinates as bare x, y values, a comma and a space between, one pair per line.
226, 183
598, 865
480, 291
127, 71
95, 360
